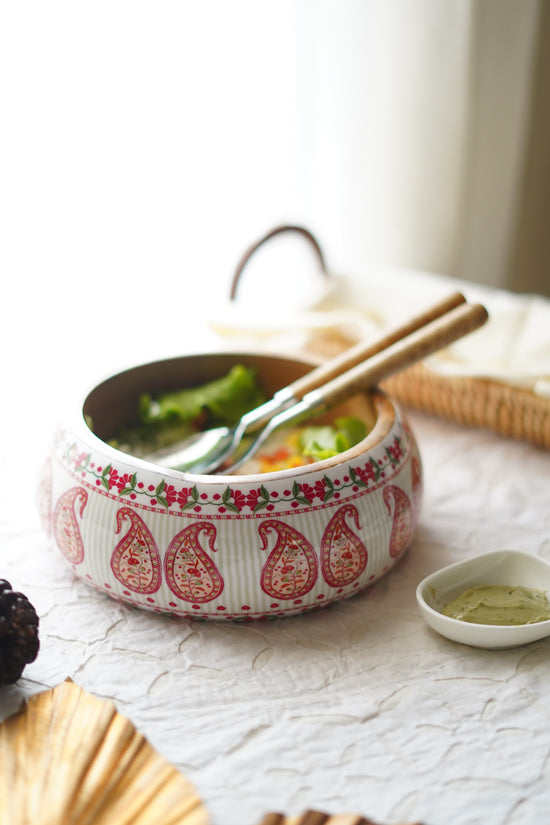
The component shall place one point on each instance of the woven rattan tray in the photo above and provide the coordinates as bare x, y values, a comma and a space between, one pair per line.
509, 411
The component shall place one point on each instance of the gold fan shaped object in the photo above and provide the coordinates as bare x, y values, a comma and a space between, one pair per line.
68, 757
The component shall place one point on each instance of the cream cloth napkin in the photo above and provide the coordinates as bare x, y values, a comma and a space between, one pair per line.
512, 348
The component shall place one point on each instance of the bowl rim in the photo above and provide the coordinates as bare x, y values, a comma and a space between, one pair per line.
386, 409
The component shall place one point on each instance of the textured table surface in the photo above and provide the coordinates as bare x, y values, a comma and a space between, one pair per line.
356, 708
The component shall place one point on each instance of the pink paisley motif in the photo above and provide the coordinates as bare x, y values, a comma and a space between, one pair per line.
403, 519
135, 560
45, 497
65, 523
416, 481
343, 554
190, 572
291, 568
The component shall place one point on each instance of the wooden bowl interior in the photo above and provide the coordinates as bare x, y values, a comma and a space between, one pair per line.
114, 402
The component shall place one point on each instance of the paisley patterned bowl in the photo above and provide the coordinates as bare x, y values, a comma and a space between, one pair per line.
226, 547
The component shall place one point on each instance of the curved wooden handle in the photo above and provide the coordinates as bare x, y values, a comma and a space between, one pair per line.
361, 351
278, 230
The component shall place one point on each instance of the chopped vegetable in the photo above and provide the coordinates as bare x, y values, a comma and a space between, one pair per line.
171, 416
324, 442
222, 401
299, 446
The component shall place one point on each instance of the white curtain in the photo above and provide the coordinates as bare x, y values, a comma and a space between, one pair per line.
417, 124
388, 129
145, 144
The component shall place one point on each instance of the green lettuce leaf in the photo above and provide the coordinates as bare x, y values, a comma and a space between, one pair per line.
326, 441
171, 416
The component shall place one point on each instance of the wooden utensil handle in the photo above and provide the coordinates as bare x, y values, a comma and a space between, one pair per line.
419, 344
361, 351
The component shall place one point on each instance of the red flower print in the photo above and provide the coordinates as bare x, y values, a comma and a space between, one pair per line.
308, 492
118, 481
395, 450
253, 497
319, 488
80, 459
238, 499
113, 475
183, 496
366, 473
170, 494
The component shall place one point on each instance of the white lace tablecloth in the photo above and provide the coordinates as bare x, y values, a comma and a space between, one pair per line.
356, 708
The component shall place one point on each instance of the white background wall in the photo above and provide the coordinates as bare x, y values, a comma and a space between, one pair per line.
144, 145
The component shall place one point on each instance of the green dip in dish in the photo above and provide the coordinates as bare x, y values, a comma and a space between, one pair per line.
500, 605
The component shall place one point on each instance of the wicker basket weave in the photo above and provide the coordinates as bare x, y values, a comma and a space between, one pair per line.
509, 411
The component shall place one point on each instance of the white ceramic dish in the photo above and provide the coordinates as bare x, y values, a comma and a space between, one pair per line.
226, 546
508, 567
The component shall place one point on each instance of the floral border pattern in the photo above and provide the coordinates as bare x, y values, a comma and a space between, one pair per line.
167, 497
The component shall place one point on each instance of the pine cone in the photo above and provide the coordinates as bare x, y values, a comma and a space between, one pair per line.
18, 633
